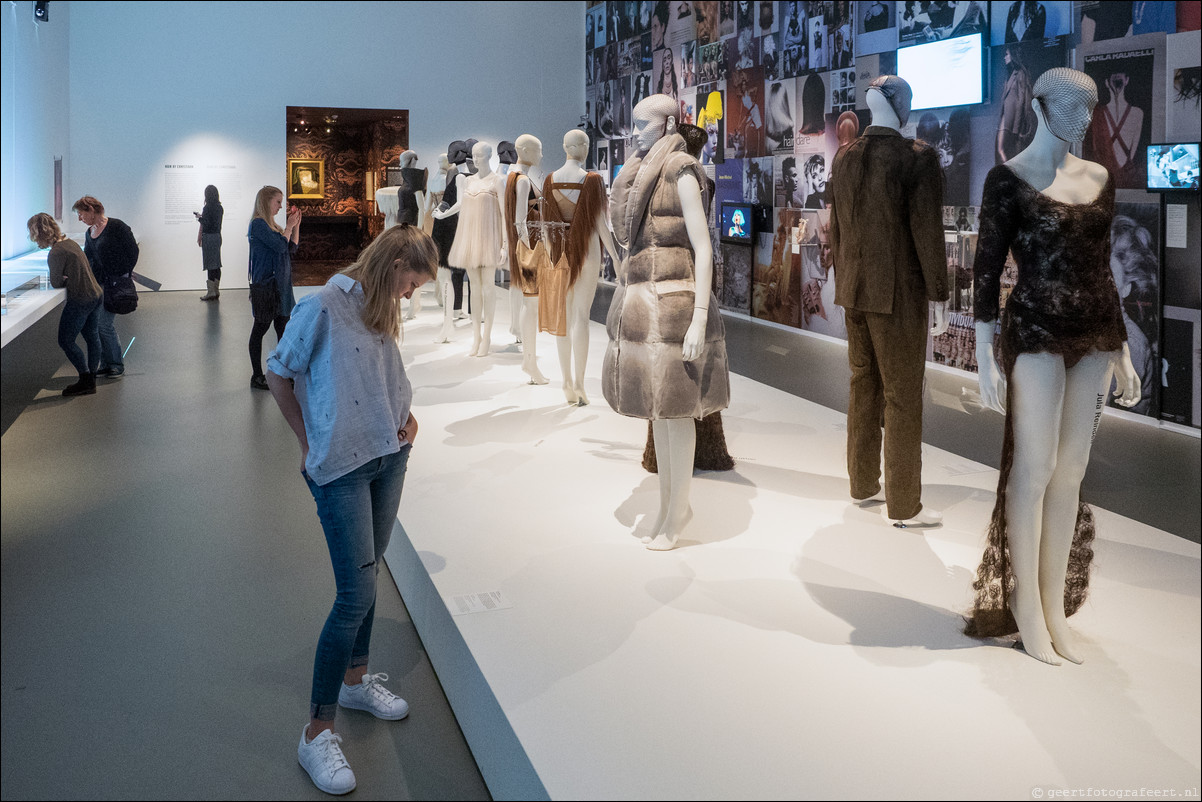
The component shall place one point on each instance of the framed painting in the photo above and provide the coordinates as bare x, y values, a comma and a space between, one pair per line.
306, 179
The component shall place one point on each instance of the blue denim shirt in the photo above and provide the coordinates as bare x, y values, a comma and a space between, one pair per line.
271, 257
350, 382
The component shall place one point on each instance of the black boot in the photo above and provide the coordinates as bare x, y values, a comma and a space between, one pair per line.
85, 386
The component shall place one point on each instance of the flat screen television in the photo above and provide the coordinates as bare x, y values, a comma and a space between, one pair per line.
736, 223
1173, 167
946, 73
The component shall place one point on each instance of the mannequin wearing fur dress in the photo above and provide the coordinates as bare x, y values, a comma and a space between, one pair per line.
1062, 338
480, 245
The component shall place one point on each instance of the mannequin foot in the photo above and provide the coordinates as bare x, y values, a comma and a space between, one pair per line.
661, 528
1032, 631
569, 392
662, 542
583, 402
482, 348
1064, 641
876, 498
536, 376
925, 519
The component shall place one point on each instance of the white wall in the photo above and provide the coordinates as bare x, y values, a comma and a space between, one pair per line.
208, 82
34, 118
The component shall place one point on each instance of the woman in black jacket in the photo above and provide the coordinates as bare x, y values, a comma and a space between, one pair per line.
209, 240
112, 253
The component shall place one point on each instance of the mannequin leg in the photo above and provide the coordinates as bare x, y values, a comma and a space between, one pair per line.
476, 285
443, 282
438, 293
675, 444
488, 303
1036, 404
1085, 383
415, 304
563, 346
515, 312
530, 340
580, 304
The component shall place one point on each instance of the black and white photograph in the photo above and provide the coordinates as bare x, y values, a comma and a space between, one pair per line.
876, 27
770, 56
1135, 263
1100, 20
1028, 21
688, 65
726, 18
595, 26
706, 14
766, 17
682, 25
666, 73
779, 107
630, 56
642, 88
920, 21
814, 103
1183, 88
787, 189
820, 58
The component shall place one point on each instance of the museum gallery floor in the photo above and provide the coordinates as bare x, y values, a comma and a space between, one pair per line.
793, 646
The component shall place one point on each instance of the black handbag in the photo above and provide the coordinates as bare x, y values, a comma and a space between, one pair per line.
120, 295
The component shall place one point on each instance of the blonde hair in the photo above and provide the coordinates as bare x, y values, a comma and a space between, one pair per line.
263, 209
44, 231
374, 268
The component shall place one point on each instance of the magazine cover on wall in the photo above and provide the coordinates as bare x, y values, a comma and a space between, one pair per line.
947, 130
787, 187
1131, 102
778, 116
795, 54
820, 314
603, 160
876, 27
666, 73
757, 190
1135, 263
1099, 20
622, 107
814, 103
1181, 396
843, 91
710, 117
688, 65
682, 24
688, 108
746, 52
921, 21
605, 109
611, 60
776, 292
1026, 21
766, 18
642, 88
630, 57
1183, 87
770, 57
871, 67
595, 27
745, 114
744, 16
706, 14
816, 36
841, 36
726, 18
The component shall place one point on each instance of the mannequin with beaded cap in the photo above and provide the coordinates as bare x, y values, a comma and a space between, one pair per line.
1061, 340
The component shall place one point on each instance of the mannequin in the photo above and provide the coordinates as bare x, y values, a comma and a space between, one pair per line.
666, 359
443, 290
411, 198
525, 259
886, 231
480, 245
569, 193
1062, 336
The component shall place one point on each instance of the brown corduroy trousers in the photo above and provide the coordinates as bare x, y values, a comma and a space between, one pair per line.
887, 354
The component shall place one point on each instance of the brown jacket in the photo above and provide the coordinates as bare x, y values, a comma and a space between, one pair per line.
887, 222
69, 268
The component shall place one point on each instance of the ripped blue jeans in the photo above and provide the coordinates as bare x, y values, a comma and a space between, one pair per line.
357, 512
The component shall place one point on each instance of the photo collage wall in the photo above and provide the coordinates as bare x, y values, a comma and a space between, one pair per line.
780, 86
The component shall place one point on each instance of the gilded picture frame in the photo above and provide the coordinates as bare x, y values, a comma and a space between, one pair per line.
306, 179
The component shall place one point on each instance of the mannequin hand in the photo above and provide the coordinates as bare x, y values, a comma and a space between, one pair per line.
990, 378
694, 338
438, 214
1127, 385
941, 322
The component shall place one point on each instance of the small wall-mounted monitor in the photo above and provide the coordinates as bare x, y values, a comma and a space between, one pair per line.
946, 73
1173, 167
736, 223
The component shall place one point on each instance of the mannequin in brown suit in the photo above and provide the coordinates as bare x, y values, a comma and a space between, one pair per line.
887, 235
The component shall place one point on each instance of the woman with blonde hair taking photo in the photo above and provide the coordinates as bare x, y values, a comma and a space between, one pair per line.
271, 249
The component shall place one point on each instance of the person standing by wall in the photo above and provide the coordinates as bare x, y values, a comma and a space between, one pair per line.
209, 240
112, 253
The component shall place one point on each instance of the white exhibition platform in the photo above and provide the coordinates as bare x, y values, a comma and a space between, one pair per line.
793, 646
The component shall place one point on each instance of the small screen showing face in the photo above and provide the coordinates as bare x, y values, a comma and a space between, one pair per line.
736, 222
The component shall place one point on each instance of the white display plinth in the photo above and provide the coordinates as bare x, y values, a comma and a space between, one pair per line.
793, 646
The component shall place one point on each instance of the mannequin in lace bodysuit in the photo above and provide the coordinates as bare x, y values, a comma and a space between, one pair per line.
575, 196
1062, 337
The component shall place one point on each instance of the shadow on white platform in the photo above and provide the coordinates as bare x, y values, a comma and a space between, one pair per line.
793, 646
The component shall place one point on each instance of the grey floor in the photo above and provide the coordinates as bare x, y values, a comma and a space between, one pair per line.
164, 579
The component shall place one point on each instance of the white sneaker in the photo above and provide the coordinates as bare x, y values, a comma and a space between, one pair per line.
323, 759
373, 697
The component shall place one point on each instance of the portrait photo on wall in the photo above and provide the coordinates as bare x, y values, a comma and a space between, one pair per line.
841, 35
820, 58
1135, 264
1099, 20
682, 24
1027, 21
710, 114
1183, 87
921, 21
666, 73
306, 179
706, 14
766, 18
876, 27
770, 56
778, 116
688, 65
642, 88
820, 313
1015, 69
1122, 122
726, 18
745, 114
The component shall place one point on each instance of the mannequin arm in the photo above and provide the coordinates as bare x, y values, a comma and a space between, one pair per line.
607, 236
989, 373
940, 325
444, 213
420, 198
521, 210
1127, 385
703, 263
500, 182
